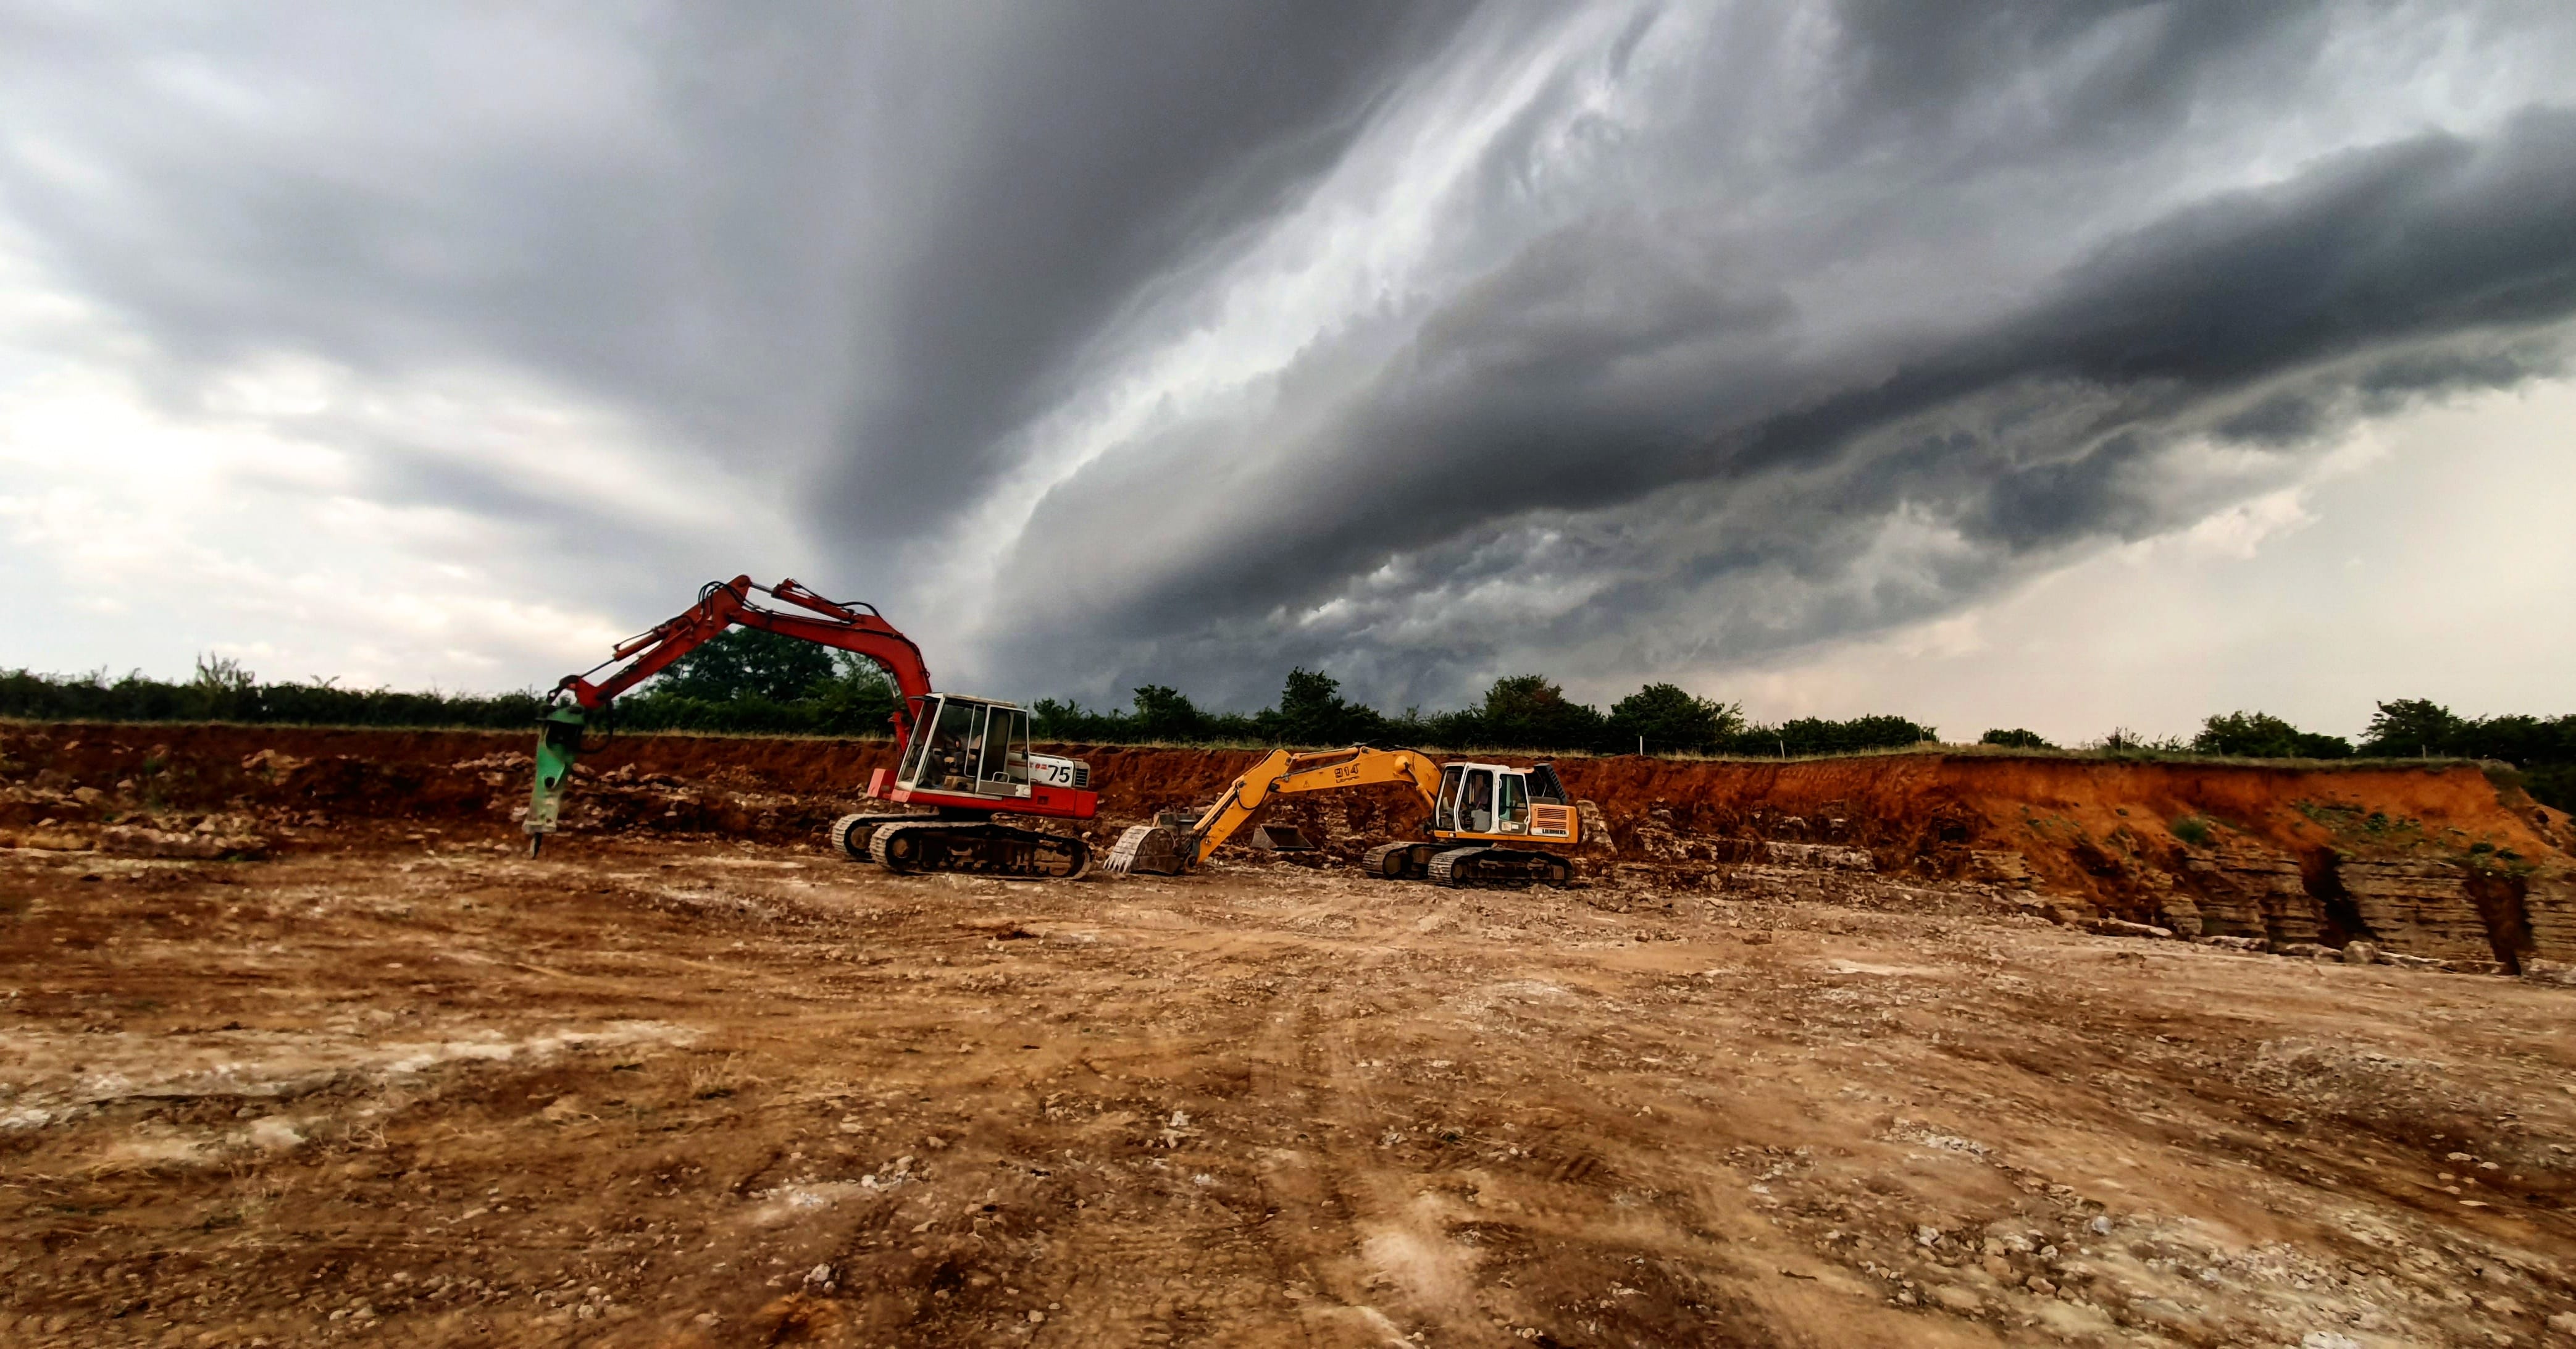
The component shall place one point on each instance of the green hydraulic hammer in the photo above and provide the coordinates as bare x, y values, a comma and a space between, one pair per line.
558, 746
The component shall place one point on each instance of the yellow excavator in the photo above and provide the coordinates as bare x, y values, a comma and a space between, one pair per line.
1491, 824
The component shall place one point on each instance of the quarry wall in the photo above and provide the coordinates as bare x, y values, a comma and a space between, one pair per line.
2444, 860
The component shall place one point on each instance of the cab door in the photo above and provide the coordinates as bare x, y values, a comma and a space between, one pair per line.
1476, 802
1511, 804
947, 743
916, 749
1444, 812
1003, 769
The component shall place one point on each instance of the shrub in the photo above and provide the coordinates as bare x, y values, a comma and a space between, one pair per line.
747, 680
1665, 717
741, 663
1532, 712
2122, 740
1312, 711
2411, 726
1816, 735
2258, 735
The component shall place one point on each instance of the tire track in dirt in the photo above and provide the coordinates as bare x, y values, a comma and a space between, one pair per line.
1471, 1114
1319, 1216
1195, 1228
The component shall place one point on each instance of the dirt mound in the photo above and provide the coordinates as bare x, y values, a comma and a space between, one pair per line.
2440, 860
304, 779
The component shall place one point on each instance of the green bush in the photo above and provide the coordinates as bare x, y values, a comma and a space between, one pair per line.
1664, 717
1312, 711
1815, 735
2258, 735
2552, 785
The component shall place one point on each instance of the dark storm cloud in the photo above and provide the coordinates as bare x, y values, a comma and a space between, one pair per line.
1594, 337
1614, 360
892, 226
1121, 137
1914, 73
2433, 234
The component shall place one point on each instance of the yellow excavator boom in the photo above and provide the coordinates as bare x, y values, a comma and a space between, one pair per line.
1283, 773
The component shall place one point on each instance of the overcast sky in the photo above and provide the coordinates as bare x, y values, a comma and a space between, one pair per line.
2048, 364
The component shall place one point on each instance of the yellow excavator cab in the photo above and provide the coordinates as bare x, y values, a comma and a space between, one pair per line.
1498, 803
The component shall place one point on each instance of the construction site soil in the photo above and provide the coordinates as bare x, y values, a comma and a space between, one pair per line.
1921, 1049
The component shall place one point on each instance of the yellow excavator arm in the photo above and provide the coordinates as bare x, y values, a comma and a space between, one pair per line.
1284, 773
1517, 816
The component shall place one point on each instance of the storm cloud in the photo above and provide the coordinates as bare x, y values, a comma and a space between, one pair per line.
1124, 342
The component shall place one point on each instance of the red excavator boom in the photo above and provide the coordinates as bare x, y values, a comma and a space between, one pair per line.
721, 604
965, 759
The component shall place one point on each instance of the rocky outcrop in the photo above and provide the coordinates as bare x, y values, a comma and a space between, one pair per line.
1998, 867
2430, 907
204, 843
2417, 907
2242, 889
1819, 856
2549, 908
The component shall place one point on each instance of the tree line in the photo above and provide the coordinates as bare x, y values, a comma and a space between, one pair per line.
1521, 712
2406, 728
776, 685
221, 690
749, 681
2542, 749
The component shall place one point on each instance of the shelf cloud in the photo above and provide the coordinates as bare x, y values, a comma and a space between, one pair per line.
1130, 342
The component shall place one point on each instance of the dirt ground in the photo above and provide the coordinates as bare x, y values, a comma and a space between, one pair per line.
701, 1092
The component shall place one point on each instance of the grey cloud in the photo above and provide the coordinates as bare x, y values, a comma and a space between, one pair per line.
2089, 74
394, 190
1589, 372
848, 249
1120, 138
1754, 325
2431, 234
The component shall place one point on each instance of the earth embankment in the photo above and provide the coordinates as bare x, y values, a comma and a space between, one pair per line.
2445, 860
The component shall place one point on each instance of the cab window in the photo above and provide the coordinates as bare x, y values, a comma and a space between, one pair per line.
916, 750
1445, 814
1003, 767
954, 744
1511, 808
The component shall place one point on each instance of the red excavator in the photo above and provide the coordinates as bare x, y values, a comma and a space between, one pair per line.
964, 759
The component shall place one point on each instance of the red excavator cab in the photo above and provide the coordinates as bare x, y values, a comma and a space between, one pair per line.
970, 753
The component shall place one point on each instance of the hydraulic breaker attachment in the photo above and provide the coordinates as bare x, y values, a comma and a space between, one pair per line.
558, 745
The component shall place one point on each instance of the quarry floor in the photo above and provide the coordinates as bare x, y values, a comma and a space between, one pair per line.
681, 1092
